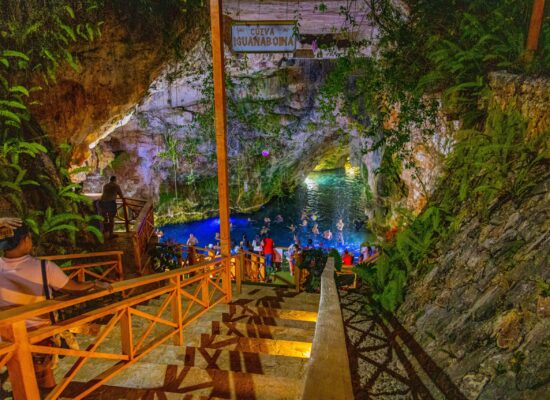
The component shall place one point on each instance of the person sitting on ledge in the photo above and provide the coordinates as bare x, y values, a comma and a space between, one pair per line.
108, 207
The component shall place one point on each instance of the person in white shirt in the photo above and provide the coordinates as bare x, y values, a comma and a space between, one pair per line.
21, 281
24, 281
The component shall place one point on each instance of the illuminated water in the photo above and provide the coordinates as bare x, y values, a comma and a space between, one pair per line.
330, 195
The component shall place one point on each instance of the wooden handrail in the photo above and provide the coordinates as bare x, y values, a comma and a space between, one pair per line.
144, 231
209, 279
33, 310
329, 352
110, 264
81, 255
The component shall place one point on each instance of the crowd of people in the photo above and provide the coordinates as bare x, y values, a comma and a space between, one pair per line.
263, 244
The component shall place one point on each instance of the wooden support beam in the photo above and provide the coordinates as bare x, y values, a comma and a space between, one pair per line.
20, 365
216, 26
535, 27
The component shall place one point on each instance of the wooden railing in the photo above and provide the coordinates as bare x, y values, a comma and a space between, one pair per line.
105, 266
128, 211
143, 233
184, 295
329, 352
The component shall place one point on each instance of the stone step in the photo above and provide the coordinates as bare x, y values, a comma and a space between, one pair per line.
144, 380
246, 314
199, 357
289, 348
229, 360
268, 298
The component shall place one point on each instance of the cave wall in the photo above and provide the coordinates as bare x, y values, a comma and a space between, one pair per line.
478, 311
115, 72
284, 95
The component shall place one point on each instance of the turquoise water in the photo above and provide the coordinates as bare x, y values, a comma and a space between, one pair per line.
324, 196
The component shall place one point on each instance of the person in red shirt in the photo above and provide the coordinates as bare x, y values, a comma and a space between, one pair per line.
268, 248
347, 258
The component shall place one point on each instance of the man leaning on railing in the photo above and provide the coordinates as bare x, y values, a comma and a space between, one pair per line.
25, 280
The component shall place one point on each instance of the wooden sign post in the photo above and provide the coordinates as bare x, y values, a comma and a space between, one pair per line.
216, 26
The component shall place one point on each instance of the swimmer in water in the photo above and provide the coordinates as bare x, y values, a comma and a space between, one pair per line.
267, 220
292, 228
327, 234
340, 231
304, 223
279, 219
315, 229
304, 215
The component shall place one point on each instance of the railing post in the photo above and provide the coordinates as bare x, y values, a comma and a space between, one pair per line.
20, 366
126, 333
191, 255
126, 220
176, 310
119, 270
297, 277
137, 252
204, 290
239, 267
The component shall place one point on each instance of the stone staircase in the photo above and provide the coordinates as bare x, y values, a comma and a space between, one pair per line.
257, 347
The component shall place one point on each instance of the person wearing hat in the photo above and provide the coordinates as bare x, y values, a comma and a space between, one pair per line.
21, 277
25, 280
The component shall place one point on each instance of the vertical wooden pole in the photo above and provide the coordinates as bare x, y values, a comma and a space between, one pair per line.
216, 25
176, 310
126, 219
239, 267
20, 366
126, 336
534, 29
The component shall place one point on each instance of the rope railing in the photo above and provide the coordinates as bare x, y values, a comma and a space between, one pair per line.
184, 295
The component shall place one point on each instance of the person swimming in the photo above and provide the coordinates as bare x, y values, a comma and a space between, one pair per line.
327, 235
267, 220
292, 228
315, 229
340, 231
279, 219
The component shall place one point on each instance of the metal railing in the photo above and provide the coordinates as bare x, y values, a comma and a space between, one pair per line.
183, 296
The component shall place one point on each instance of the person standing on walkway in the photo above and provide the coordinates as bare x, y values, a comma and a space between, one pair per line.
108, 207
268, 248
